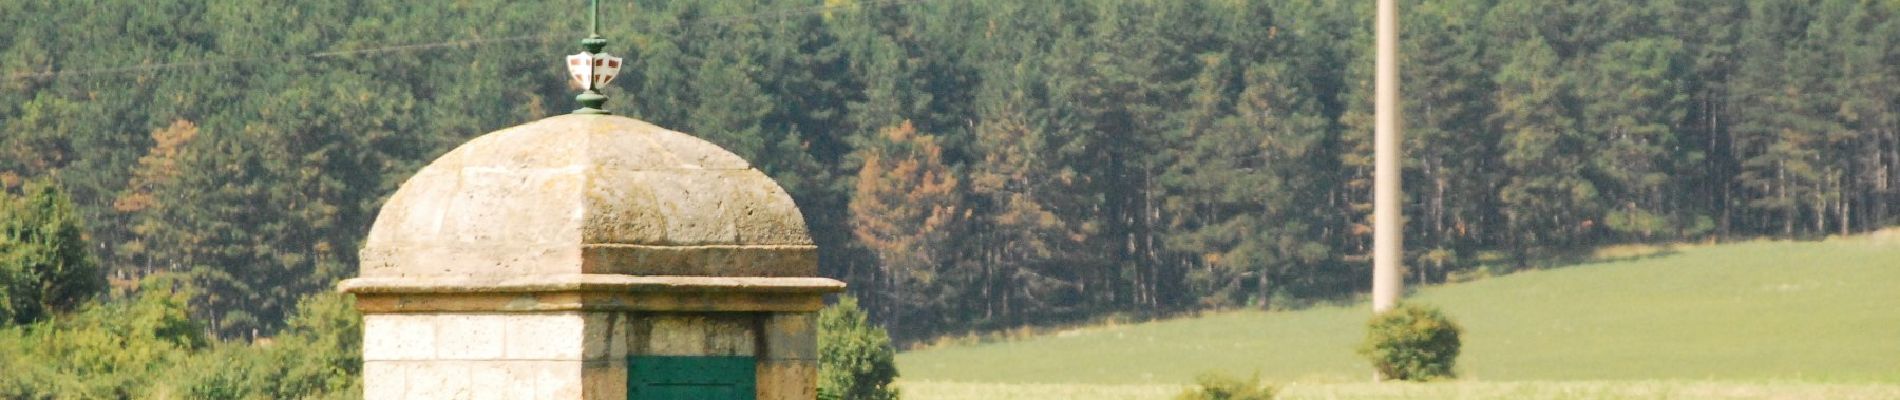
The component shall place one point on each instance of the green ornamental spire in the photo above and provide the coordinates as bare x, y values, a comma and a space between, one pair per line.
592, 68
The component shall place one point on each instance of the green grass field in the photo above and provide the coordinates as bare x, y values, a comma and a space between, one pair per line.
1768, 319
1463, 390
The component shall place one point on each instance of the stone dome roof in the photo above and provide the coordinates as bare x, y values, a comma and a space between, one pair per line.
588, 194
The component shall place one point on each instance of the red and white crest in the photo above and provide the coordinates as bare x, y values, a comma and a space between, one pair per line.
591, 70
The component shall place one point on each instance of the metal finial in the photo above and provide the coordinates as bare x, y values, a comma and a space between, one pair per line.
593, 43
593, 68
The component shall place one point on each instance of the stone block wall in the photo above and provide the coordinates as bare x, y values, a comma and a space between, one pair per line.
788, 366
485, 356
534, 261
572, 355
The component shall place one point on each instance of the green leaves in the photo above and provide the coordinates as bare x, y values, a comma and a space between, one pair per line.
1220, 387
855, 358
1412, 342
106, 350
44, 264
1548, 195
145, 345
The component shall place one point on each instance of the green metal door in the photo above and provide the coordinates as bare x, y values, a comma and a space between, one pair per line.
691, 378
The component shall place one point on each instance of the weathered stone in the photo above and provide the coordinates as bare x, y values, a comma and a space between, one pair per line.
790, 336
718, 261
592, 301
606, 336
731, 335
675, 336
605, 382
527, 199
788, 379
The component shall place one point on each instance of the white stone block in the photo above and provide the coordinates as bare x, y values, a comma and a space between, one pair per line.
439, 380
470, 337
502, 380
383, 379
398, 337
556, 380
546, 337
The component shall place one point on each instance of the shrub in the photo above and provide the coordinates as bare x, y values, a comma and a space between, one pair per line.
144, 345
104, 350
855, 359
319, 356
1412, 342
1221, 387
44, 266
322, 349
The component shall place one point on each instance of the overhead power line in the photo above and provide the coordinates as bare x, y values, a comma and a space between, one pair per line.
459, 43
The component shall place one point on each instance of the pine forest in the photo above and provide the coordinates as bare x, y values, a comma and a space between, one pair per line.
965, 165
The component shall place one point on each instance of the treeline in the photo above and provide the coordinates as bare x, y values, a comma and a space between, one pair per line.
977, 164
143, 345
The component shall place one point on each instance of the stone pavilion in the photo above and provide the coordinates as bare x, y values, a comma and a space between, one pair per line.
589, 256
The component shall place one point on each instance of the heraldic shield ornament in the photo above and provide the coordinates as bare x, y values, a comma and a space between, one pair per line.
593, 70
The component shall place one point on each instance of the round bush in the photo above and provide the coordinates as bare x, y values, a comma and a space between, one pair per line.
855, 358
1222, 387
1412, 342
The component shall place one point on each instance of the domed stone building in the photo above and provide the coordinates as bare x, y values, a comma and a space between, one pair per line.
587, 194
589, 256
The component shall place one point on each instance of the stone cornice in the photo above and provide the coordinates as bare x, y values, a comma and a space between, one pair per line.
590, 292
590, 283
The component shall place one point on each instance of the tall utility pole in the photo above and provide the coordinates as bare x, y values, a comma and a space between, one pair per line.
1387, 225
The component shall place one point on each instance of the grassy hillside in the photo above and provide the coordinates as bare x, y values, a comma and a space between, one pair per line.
1759, 311
1466, 390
